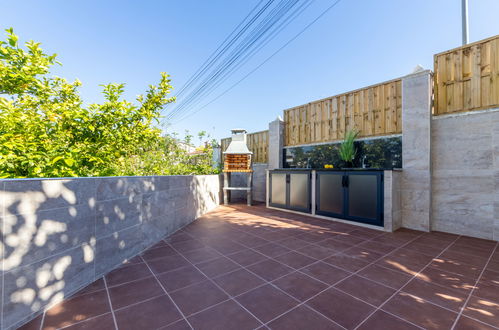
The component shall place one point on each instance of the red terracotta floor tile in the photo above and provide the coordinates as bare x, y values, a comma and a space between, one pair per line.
77, 309
420, 312
450, 280
299, 285
150, 314
178, 237
179, 325
402, 265
366, 290
346, 262
303, 317
127, 274
237, 282
487, 291
247, 257
483, 310
457, 267
227, 246
180, 278
217, 267
439, 295
227, 315
385, 276
294, 243
197, 297
201, 255
33, 324
465, 323
423, 249
363, 254
350, 239
382, 320
336, 246
295, 260
167, 264
490, 277
325, 272
341, 308
266, 302
158, 252
272, 250
270, 269
464, 258
377, 247
103, 322
493, 266
186, 246
315, 251
134, 292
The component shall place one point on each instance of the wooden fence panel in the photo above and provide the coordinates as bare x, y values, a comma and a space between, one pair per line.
466, 78
257, 142
374, 111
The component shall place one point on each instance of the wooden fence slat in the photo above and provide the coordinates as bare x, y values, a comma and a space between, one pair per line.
466, 78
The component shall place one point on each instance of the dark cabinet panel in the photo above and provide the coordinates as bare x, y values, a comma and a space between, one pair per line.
350, 195
290, 190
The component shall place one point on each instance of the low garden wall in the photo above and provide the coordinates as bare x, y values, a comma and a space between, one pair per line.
59, 235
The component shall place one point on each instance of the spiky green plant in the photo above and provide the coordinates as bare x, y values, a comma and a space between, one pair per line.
347, 149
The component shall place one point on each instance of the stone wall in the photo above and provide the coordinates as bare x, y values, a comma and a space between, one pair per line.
465, 178
59, 235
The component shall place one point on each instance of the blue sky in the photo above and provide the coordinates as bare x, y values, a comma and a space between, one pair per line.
358, 43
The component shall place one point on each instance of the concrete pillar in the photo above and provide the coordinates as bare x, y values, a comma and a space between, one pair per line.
415, 188
276, 143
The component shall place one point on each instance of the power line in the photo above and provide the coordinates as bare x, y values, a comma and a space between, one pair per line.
233, 58
239, 53
265, 61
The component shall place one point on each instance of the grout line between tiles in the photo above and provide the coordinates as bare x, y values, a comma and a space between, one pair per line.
461, 310
110, 303
167, 294
218, 286
400, 289
352, 273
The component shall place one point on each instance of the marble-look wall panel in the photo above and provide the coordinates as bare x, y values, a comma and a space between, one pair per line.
59, 235
465, 180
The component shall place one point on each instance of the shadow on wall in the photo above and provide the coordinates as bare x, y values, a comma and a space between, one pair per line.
59, 235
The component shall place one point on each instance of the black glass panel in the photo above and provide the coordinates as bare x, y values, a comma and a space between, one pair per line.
362, 196
330, 193
278, 192
376, 153
298, 190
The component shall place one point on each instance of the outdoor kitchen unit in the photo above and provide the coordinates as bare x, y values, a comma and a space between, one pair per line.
237, 159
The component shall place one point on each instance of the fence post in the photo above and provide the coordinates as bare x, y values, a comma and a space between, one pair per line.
415, 187
276, 143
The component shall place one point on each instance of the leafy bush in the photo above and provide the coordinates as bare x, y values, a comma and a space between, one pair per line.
347, 149
47, 131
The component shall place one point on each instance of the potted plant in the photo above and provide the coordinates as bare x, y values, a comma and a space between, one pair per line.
347, 149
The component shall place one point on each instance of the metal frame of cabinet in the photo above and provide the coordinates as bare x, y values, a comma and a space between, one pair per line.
288, 183
366, 207
346, 213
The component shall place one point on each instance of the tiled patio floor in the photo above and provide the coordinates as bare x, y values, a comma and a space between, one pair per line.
244, 267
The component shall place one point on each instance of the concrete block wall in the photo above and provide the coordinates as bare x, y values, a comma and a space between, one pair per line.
59, 235
259, 184
465, 178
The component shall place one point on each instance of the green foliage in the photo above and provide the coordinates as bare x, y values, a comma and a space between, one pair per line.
46, 131
347, 149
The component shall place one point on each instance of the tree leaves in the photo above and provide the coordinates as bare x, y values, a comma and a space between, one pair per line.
46, 131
